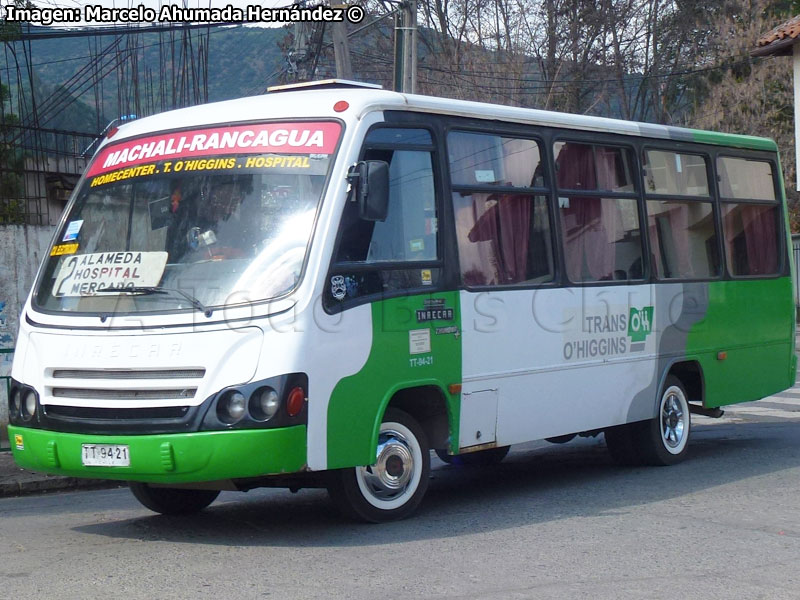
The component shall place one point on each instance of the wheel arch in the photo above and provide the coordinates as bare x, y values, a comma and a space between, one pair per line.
428, 404
690, 373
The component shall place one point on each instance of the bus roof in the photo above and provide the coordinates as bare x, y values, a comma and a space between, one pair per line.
318, 103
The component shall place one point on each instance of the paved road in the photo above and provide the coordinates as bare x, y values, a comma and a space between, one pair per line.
550, 522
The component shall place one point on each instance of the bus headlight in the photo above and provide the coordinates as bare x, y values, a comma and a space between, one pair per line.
264, 403
232, 407
28, 406
269, 403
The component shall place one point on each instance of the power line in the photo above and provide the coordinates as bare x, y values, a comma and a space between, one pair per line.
118, 30
85, 57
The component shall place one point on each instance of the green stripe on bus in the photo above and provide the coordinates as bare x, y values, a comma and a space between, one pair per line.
358, 402
735, 141
167, 458
758, 350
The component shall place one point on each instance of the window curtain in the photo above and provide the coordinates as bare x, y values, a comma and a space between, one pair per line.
759, 236
677, 217
506, 224
589, 225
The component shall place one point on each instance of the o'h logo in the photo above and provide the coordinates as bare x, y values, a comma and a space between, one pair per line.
640, 323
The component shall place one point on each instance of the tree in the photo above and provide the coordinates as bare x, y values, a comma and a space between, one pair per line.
12, 201
751, 95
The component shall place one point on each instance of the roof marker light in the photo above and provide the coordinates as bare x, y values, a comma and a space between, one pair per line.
341, 106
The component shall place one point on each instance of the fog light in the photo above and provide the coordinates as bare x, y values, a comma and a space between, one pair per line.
295, 401
264, 404
231, 408
28, 408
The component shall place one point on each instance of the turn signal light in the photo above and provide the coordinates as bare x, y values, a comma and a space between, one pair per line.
295, 401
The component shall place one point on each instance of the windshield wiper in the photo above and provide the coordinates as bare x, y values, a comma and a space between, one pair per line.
161, 290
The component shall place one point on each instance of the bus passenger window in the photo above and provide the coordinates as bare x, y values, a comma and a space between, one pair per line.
601, 235
503, 236
503, 239
675, 174
751, 225
683, 239
751, 238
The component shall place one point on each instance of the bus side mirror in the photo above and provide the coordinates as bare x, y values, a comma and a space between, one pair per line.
369, 182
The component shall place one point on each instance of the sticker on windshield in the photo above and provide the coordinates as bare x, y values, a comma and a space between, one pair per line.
105, 272
72, 231
61, 249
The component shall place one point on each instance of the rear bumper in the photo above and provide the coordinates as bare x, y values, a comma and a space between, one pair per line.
168, 458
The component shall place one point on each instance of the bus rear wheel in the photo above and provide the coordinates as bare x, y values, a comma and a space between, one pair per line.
394, 485
172, 501
661, 441
668, 433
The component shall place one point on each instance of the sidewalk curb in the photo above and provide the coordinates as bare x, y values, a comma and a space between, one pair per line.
52, 484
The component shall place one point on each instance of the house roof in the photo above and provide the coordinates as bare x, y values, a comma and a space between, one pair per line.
779, 41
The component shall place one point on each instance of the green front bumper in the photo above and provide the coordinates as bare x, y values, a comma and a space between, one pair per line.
167, 458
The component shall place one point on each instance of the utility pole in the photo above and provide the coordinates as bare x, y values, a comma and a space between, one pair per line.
405, 48
341, 51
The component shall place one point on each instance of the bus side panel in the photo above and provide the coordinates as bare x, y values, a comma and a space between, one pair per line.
410, 348
752, 322
562, 360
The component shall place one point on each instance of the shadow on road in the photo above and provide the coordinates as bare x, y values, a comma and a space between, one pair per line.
535, 484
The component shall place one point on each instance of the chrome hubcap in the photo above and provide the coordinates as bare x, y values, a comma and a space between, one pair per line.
392, 472
673, 425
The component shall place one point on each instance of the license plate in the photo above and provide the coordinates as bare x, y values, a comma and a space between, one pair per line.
105, 455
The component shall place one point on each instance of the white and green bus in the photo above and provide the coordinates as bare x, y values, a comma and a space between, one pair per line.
322, 285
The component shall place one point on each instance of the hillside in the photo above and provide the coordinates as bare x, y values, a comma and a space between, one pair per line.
240, 62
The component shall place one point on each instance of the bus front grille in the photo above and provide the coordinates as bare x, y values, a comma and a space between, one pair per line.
115, 414
128, 374
122, 394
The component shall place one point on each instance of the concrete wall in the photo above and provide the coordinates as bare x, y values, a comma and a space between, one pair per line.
21, 249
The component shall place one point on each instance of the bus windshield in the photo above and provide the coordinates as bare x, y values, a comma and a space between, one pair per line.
222, 227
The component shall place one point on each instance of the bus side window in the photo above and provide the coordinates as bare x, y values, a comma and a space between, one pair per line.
409, 232
393, 255
503, 235
600, 231
751, 219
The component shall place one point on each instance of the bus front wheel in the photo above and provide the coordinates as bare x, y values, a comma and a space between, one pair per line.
172, 501
660, 441
393, 486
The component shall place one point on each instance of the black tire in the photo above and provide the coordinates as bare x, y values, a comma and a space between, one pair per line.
490, 456
661, 441
622, 445
374, 493
172, 501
